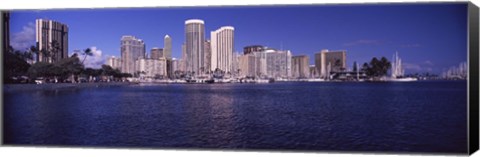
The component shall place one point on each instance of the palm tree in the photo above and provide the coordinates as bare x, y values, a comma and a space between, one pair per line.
54, 50
86, 52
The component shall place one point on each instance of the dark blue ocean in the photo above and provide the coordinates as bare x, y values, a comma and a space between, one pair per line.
419, 116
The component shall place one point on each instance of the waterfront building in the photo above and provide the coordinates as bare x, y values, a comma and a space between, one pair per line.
183, 64
222, 48
194, 45
208, 56
131, 49
180, 65
175, 64
151, 68
51, 36
330, 61
156, 53
260, 63
169, 67
5, 30
167, 47
114, 62
247, 65
235, 64
253, 48
300, 66
279, 63
312, 71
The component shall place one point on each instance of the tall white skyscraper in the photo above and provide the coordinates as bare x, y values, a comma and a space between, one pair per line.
167, 47
222, 48
194, 45
51, 36
132, 49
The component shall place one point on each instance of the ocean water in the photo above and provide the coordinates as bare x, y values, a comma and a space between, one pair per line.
424, 116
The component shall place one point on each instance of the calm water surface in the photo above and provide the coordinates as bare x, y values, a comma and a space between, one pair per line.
397, 117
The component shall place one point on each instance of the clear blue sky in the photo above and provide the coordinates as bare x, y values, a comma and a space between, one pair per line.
428, 37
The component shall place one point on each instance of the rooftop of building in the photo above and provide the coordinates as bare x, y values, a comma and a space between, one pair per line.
194, 21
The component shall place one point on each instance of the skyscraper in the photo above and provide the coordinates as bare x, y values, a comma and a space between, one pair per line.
300, 67
222, 48
183, 62
131, 50
167, 47
194, 45
52, 37
208, 55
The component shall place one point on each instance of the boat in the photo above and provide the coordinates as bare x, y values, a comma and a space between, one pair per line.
404, 79
398, 71
262, 81
315, 80
209, 81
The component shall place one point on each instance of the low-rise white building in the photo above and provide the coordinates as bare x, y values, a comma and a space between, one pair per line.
114, 62
151, 68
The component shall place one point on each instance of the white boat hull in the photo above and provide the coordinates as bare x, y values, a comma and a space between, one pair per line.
406, 79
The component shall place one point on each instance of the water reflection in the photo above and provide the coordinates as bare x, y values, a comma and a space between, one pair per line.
301, 116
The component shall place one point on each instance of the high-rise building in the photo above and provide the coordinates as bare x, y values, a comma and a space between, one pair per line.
260, 63
279, 63
208, 55
253, 48
235, 64
167, 47
222, 48
330, 61
5, 18
156, 53
132, 49
194, 45
247, 65
300, 67
52, 37
337, 60
183, 64
175, 64
312, 71
114, 62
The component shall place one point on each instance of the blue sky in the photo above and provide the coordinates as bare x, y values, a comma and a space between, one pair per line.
428, 37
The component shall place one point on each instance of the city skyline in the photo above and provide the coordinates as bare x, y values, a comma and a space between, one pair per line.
431, 46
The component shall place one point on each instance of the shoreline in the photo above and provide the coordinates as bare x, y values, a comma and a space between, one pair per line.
64, 86
60, 86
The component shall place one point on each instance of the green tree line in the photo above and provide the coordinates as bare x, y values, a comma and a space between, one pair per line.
65, 70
